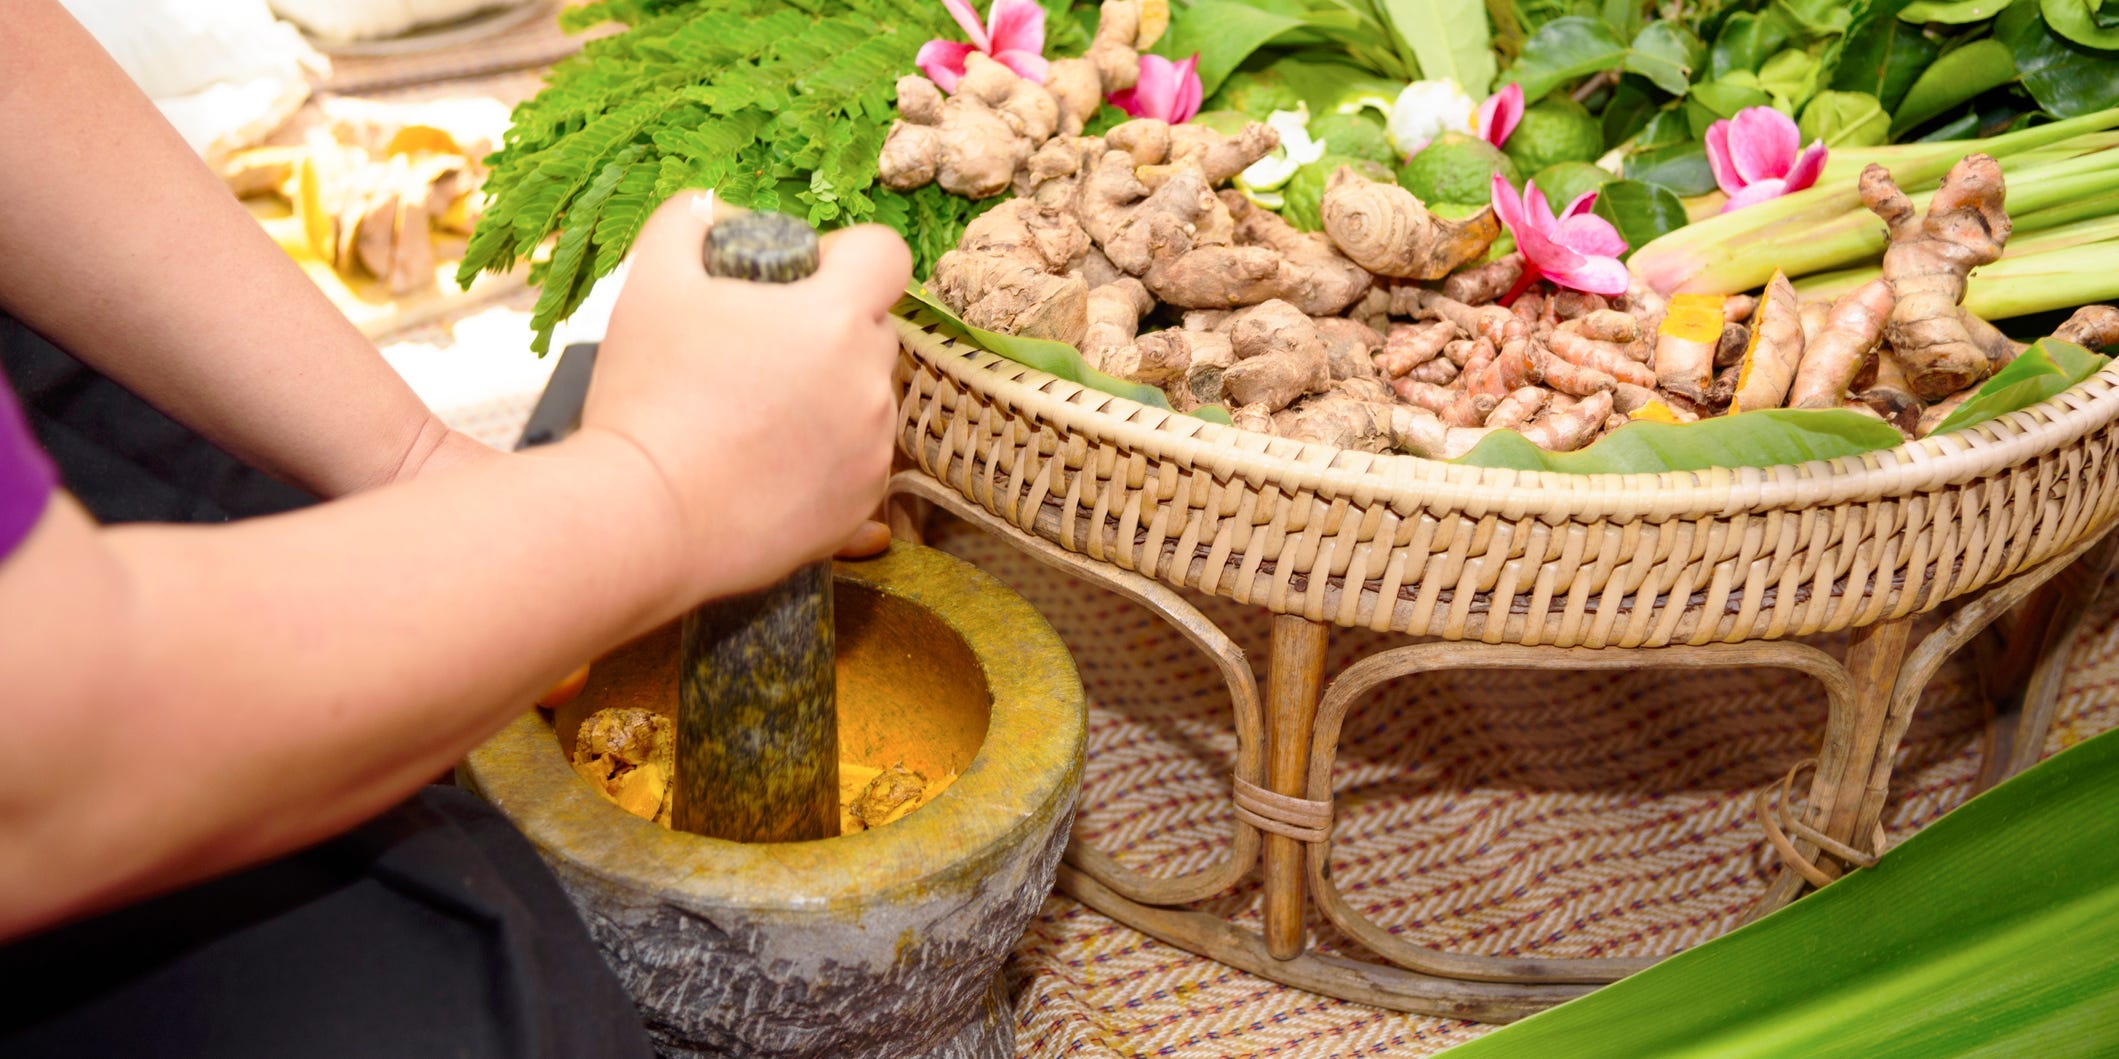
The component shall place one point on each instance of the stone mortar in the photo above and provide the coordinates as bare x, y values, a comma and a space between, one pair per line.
886, 943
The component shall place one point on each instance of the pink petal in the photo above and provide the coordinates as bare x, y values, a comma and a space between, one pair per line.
1590, 236
1762, 143
1718, 159
1598, 275
943, 62
1508, 205
1029, 64
1500, 113
1153, 95
968, 17
1016, 25
1536, 210
1542, 250
1580, 205
1190, 93
1808, 166
1755, 193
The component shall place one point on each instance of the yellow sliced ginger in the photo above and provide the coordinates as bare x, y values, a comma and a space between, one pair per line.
1769, 363
1853, 326
1684, 348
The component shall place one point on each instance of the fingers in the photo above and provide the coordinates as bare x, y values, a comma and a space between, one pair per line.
867, 266
676, 232
870, 539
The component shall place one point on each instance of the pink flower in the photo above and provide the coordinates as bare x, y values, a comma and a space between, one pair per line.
1014, 35
1166, 90
1754, 156
1500, 113
1576, 249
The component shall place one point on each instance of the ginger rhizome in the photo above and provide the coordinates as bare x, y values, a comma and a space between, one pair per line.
1926, 264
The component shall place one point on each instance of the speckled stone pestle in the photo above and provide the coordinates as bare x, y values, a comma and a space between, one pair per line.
757, 723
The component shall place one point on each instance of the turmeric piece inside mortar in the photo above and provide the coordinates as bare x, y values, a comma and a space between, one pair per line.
628, 755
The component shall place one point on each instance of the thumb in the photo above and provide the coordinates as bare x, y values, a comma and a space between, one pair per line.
676, 231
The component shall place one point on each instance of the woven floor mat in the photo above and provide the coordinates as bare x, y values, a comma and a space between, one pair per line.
1585, 814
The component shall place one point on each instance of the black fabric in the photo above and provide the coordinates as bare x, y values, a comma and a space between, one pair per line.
433, 930
118, 455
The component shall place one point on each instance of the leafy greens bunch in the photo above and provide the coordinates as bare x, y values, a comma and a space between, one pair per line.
774, 104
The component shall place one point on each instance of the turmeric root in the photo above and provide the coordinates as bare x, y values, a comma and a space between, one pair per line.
1438, 371
1410, 345
1738, 308
1567, 376
1518, 407
1430, 396
1814, 314
1387, 230
1607, 325
1852, 329
1571, 428
1571, 304
1484, 283
1685, 343
2000, 348
1926, 264
2092, 327
1736, 338
1776, 348
1113, 314
1891, 396
1607, 357
1424, 434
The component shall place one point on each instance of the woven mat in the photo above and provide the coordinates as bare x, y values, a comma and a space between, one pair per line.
1556, 814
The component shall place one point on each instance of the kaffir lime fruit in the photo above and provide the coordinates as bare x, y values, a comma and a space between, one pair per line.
1562, 181
1353, 134
1557, 129
1456, 168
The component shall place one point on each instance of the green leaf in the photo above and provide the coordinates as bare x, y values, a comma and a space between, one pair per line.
1667, 54
1790, 77
1768, 438
1953, 79
1845, 119
2047, 368
1640, 211
2067, 79
1224, 33
1745, 42
1629, 111
1052, 358
1564, 50
1881, 55
1994, 931
1952, 12
1817, 18
1680, 167
2082, 21
1450, 39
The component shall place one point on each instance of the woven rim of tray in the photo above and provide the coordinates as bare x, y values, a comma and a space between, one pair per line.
1410, 481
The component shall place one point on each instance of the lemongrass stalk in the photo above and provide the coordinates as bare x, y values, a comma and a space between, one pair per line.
1676, 259
2066, 213
1746, 259
1847, 163
1829, 285
2036, 283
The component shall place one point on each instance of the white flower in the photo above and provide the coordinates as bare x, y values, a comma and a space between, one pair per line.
1427, 109
1295, 151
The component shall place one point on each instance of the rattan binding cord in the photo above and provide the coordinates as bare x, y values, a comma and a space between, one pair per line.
1398, 543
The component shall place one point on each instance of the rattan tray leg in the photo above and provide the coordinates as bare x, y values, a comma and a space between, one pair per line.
1391, 988
1293, 682
2025, 683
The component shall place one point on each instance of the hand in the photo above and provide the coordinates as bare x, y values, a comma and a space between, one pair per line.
767, 409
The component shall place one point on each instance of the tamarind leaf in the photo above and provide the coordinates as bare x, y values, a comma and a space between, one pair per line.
1052, 358
1223, 33
2049, 367
1993, 931
1765, 438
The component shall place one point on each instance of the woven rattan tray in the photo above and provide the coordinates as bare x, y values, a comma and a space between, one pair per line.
1398, 543
1491, 568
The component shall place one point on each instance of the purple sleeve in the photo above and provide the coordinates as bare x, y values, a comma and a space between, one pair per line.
26, 475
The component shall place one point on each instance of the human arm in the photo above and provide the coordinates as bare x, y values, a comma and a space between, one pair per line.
124, 249
192, 699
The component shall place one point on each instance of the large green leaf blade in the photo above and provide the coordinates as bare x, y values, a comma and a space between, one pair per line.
1449, 38
2066, 79
1224, 33
1768, 438
1562, 51
2049, 367
1995, 931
